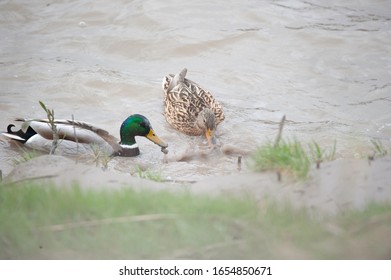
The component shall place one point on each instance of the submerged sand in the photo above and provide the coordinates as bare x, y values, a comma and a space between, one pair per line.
336, 186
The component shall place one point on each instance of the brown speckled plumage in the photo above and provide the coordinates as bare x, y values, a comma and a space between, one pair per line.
184, 100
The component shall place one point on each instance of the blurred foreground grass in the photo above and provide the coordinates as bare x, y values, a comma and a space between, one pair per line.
47, 222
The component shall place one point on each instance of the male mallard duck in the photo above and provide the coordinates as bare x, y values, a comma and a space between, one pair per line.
189, 108
37, 133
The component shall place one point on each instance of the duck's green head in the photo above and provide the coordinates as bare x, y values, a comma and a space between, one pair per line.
138, 125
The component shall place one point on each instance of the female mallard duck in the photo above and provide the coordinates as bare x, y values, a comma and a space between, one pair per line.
75, 135
189, 108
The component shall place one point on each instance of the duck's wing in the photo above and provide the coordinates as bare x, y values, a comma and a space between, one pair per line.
214, 105
178, 102
71, 130
179, 110
201, 98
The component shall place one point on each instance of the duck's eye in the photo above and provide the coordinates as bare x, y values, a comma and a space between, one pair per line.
143, 124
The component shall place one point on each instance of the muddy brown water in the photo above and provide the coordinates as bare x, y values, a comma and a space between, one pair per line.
325, 66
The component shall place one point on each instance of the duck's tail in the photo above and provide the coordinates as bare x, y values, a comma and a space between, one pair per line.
170, 81
19, 135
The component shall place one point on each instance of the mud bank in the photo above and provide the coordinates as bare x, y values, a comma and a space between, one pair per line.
337, 186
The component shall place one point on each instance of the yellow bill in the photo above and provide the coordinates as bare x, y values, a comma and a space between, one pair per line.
210, 137
155, 139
